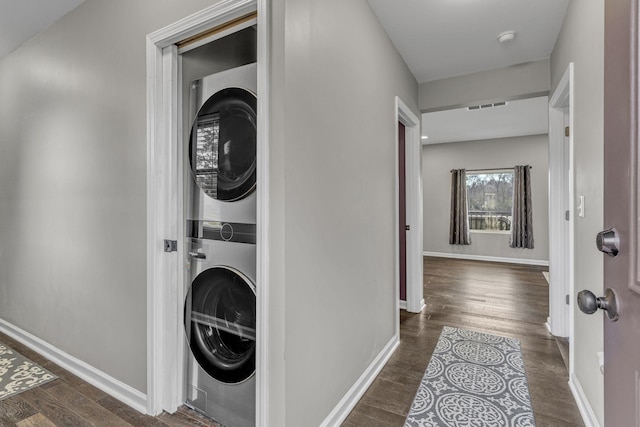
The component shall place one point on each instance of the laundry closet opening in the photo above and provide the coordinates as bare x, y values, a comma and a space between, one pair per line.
218, 133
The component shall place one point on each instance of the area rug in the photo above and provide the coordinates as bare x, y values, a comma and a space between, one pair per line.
18, 374
473, 380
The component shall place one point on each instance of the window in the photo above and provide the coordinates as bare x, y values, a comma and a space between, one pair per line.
490, 195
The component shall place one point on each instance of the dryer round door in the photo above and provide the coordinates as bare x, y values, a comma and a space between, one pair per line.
222, 147
220, 322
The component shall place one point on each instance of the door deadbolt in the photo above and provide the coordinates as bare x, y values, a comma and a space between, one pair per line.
608, 241
589, 304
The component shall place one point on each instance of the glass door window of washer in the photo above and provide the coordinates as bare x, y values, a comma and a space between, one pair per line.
222, 146
220, 321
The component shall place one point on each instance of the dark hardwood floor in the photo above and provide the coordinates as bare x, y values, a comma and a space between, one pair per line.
503, 299
71, 402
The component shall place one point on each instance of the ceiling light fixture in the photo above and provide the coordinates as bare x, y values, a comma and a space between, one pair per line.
425, 137
506, 36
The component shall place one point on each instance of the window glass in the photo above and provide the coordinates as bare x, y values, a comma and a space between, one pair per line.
222, 149
490, 195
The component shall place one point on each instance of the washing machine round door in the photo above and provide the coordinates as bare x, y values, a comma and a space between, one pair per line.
222, 146
220, 321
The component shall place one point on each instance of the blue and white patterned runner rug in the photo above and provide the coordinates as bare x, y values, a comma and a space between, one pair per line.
18, 374
473, 379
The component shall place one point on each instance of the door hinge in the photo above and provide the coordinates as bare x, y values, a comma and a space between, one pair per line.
566, 131
170, 245
566, 215
567, 300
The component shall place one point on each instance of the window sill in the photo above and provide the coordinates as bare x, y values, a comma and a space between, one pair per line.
505, 232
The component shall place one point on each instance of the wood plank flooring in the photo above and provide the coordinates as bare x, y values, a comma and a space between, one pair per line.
503, 299
70, 402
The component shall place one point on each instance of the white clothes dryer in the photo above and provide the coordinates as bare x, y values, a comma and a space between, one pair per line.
222, 146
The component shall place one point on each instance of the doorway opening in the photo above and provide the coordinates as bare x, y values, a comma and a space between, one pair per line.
561, 212
411, 211
165, 210
488, 142
402, 215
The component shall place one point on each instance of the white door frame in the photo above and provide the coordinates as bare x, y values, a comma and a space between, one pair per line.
413, 161
561, 272
165, 218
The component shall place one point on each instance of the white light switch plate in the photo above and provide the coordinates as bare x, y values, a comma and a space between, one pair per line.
581, 206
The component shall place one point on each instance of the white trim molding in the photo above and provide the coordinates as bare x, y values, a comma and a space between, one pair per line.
262, 236
165, 217
213, 16
561, 194
524, 261
403, 305
351, 398
413, 174
116, 388
586, 411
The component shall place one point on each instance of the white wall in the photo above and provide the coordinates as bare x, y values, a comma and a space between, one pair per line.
73, 198
73, 183
332, 200
519, 81
582, 41
439, 159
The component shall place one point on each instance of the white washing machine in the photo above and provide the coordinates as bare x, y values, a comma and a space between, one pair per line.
220, 325
220, 307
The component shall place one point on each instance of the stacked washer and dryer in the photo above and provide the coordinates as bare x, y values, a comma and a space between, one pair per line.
220, 305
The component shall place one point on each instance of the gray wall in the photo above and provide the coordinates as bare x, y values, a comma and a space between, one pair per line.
526, 80
73, 192
439, 159
332, 199
73, 183
582, 41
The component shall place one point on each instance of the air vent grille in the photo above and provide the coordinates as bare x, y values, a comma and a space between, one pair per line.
483, 106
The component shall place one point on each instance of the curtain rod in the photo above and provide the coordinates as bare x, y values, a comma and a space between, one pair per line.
489, 169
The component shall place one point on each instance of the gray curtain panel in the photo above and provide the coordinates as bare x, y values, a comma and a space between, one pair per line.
459, 220
522, 222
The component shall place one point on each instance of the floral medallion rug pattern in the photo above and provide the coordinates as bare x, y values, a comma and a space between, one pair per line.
473, 379
18, 374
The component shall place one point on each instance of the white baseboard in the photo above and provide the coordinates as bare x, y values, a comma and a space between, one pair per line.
351, 398
121, 391
488, 258
588, 416
403, 306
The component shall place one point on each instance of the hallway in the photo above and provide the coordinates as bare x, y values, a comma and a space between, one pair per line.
502, 299
69, 401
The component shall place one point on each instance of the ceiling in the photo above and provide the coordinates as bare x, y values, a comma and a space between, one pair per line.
21, 20
436, 38
516, 118
445, 38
